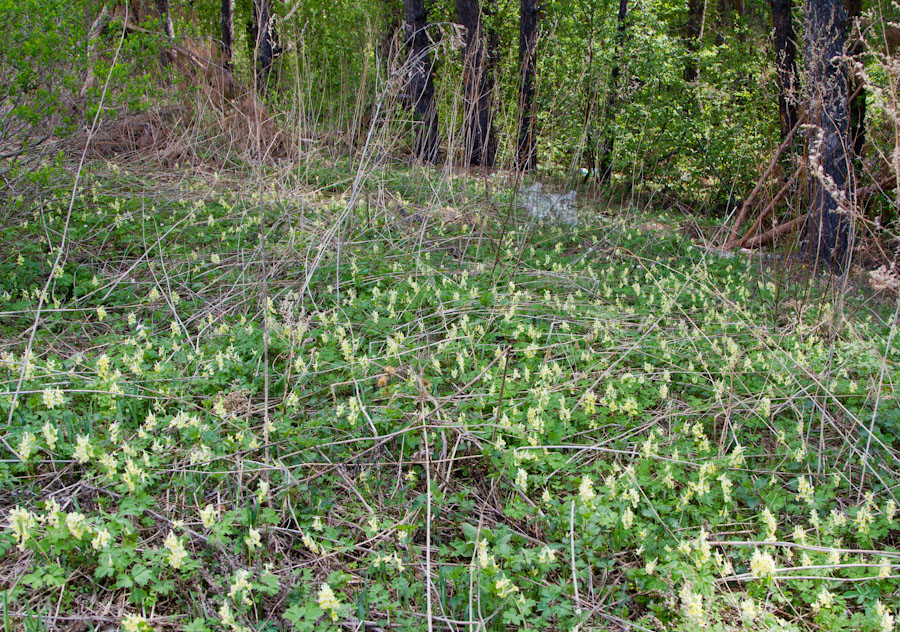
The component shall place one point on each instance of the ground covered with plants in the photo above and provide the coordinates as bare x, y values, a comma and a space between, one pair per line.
352, 405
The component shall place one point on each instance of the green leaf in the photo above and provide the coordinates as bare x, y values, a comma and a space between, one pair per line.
141, 575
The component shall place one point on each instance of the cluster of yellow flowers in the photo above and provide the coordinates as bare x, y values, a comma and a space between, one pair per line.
328, 601
176, 553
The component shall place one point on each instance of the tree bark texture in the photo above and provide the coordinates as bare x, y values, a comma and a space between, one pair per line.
612, 97
857, 89
165, 19
265, 47
480, 141
421, 80
227, 33
828, 227
785, 64
526, 151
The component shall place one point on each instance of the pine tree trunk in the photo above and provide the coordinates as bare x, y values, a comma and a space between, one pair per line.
227, 33
785, 64
480, 144
612, 97
264, 46
829, 226
421, 81
526, 153
857, 89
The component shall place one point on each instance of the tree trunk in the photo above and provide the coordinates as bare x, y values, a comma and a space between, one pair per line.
857, 88
785, 64
480, 143
693, 33
227, 33
612, 98
828, 226
265, 47
526, 154
421, 80
395, 13
165, 19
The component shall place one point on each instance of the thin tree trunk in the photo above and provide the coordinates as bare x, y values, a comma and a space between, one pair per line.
526, 154
857, 88
480, 143
395, 13
828, 226
93, 37
165, 18
264, 45
693, 33
421, 81
612, 98
227, 33
785, 64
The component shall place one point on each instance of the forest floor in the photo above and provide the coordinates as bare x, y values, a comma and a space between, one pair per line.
396, 403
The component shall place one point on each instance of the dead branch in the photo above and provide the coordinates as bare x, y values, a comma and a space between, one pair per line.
779, 231
769, 208
745, 208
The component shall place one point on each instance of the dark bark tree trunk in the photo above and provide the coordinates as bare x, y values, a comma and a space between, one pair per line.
264, 43
421, 81
857, 90
693, 33
480, 141
227, 33
785, 64
828, 226
165, 19
612, 98
394, 12
526, 153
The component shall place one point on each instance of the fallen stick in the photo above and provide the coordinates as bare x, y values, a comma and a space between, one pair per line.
769, 208
779, 231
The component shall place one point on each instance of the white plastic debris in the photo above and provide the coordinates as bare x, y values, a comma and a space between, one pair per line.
552, 207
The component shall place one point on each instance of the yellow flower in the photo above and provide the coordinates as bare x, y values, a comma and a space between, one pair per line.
824, 601
586, 490
505, 587
805, 491
253, 539
101, 540
692, 604
226, 616
175, 546
547, 556
76, 524
26, 445
522, 479
21, 521
134, 623
627, 518
240, 587
762, 564
328, 602
51, 435
208, 516
52, 397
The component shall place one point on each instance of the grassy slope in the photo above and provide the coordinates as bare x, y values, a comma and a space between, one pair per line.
611, 391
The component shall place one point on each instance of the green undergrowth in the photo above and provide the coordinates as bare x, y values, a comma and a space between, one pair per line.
286, 414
